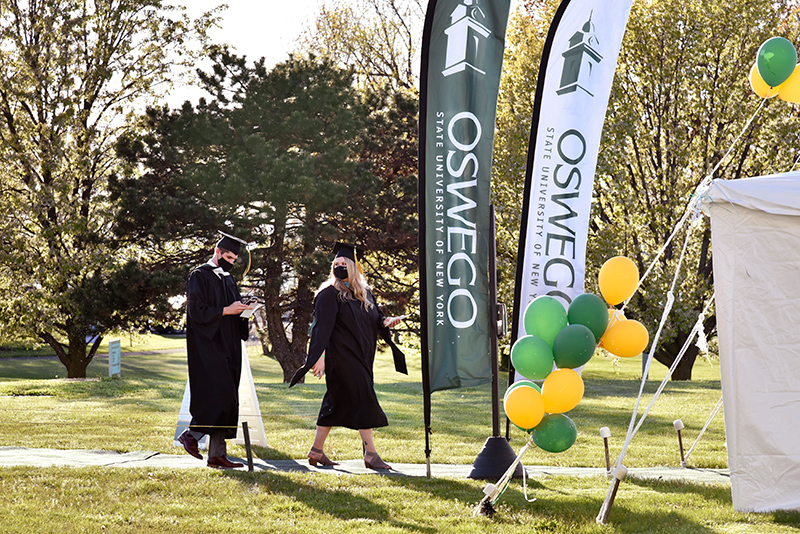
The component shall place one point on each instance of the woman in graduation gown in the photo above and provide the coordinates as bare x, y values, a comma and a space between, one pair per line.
347, 322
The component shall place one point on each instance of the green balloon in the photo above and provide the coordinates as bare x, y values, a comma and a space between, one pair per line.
556, 433
523, 383
590, 311
776, 60
532, 357
573, 347
545, 317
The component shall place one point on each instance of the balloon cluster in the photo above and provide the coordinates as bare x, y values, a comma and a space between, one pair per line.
624, 337
560, 340
776, 72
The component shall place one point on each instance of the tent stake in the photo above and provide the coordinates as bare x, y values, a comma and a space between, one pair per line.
619, 473
605, 433
678, 424
246, 433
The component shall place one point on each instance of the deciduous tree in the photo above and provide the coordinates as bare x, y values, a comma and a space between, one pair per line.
525, 36
70, 72
681, 97
379, 39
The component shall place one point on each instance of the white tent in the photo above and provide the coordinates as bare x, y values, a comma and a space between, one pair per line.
755, 229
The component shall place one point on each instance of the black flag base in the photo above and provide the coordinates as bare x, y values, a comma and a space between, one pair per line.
494, 460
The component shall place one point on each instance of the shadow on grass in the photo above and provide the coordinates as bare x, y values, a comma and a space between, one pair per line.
785, 517
48, 367
340, 504
558, 509
719, 493
267, 454
560, 505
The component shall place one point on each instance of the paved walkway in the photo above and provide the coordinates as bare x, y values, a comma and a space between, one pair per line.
21, 456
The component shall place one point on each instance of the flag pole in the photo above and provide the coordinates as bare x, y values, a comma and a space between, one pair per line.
423, 279
497, 455
494, 330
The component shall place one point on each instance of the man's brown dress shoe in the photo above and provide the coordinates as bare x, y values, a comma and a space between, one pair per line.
190, 444
222, 462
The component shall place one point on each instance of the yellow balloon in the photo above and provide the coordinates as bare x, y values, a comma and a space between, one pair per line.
790, 89
562, 391
524, 406
626, 339
614, 316
759, 86
618, 279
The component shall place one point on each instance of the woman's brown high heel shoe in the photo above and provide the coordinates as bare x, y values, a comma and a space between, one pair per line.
319, 457
372, 460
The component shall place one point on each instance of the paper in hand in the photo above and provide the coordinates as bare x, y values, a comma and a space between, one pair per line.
247, 313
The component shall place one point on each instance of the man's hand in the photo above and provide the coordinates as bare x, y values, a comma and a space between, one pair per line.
235, 308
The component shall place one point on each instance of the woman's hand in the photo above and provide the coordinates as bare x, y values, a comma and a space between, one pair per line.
319, 368
390, 322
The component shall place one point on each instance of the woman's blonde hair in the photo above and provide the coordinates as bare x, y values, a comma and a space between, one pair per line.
358, 286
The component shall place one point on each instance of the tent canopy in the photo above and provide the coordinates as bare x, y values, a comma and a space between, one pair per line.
778, 194
755, 228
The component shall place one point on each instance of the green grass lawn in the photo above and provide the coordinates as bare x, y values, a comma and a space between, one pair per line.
129, 342
139, 411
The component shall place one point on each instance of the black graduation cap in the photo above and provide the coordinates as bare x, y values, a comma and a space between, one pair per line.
347, 250
229, 242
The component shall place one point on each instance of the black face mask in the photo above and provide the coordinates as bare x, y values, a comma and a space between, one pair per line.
340, 272
224, 264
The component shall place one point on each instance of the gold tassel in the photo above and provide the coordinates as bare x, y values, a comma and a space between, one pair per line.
249, 261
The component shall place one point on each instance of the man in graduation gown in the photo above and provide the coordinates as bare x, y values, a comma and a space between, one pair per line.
214, 334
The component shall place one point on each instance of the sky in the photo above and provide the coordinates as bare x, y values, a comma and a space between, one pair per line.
266, 28
254, 28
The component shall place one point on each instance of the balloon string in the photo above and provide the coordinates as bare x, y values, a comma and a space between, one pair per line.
795, 163
711, 417
505, 480
678, 358
695, 331
691, 207
656, 339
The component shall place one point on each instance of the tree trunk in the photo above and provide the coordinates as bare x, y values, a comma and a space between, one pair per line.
73, 356
263, 335
289, 359
301, 321
77, 362
260, 320
667, 353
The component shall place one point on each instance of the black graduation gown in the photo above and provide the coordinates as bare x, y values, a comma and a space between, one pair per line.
347, 333
214, 350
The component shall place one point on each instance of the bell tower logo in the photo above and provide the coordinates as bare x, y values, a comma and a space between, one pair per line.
464, 36
579, 60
